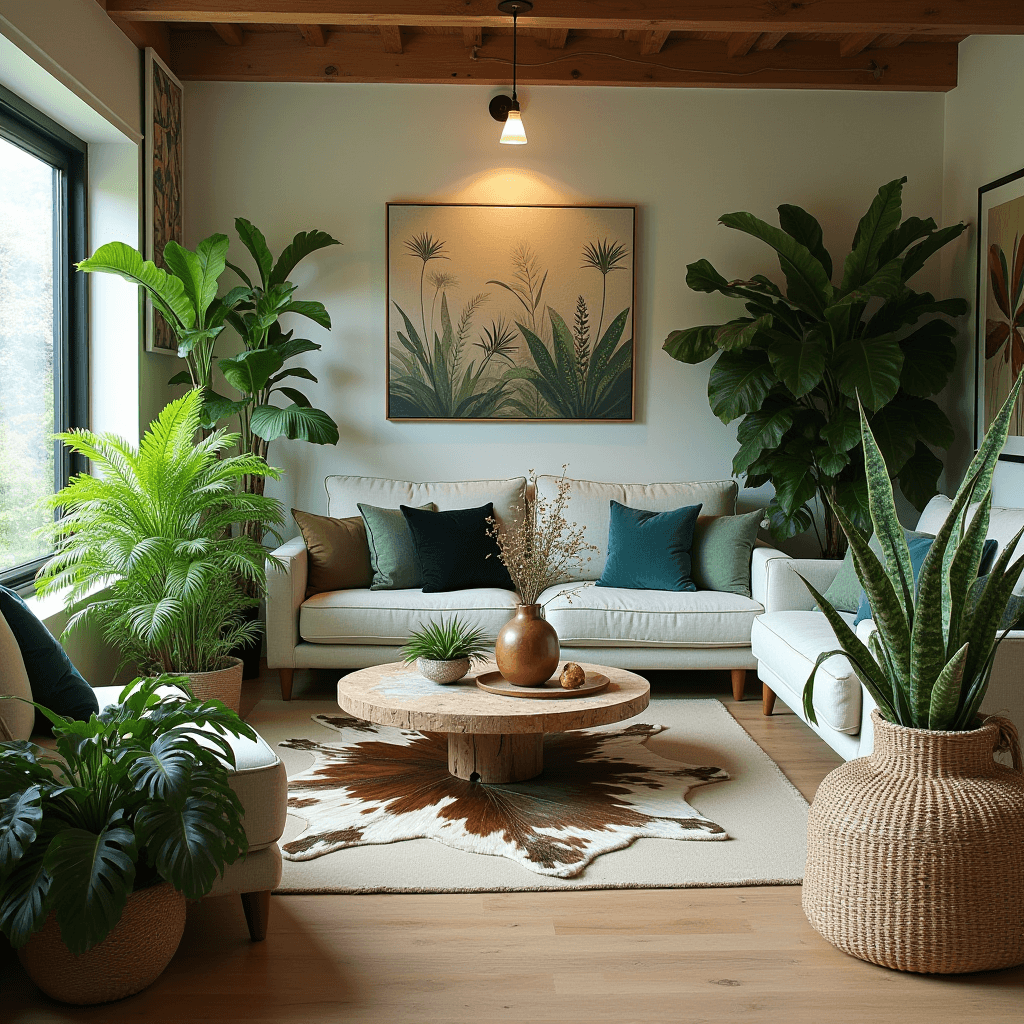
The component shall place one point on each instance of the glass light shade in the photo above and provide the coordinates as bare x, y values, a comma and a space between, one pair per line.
514, 132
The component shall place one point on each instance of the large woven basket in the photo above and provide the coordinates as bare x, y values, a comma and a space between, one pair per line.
224, 684
129, 959
915, 854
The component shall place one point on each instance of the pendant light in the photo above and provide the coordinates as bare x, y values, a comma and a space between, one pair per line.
514, 132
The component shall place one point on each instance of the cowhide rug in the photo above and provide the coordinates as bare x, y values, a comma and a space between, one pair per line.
599, 791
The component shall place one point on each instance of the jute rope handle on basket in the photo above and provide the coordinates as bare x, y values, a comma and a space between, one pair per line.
1007, 739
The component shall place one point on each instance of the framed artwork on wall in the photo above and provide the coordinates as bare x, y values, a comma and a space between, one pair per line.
999, 328
510, 313
163, 157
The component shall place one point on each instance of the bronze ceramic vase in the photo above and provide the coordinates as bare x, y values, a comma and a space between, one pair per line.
527, 648
915, 854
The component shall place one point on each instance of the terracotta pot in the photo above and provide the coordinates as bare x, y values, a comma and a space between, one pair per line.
915, 854
442, 671
128, 960
224, 684
527, 648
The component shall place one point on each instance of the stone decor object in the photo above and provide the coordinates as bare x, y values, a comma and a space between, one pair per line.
572, 676
442, 671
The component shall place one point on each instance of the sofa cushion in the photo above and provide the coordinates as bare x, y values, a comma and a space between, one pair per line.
614, 617
392, 552
789, 643
649, 550
722, 547
339, 555
387, 617
589, 506
16, 717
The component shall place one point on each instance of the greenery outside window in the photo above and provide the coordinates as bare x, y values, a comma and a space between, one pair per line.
43, 323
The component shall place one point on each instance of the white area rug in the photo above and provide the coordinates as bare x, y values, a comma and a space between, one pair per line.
757, 816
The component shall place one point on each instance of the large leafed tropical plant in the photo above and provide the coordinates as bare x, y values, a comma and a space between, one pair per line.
929, 663
793, 367
136, 795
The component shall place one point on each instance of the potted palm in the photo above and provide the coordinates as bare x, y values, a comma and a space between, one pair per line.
444, 650
916, 853
154, 527
103, 842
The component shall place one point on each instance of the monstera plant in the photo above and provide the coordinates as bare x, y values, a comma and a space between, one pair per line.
794, 366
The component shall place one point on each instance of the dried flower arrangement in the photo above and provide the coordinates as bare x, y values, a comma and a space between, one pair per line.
540, 547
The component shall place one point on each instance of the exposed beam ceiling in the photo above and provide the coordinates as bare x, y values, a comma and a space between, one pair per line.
314, 35
906, 17
231, 34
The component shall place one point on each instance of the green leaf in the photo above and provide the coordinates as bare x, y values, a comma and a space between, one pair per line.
921, 253
908, 307
929, 358
763, 428
304, 243
181, 377
739, 383
315, 311
906, 234
794, 480
250, 371
799, 362
869, 368
21, 814
885, 283
241, 273
783, 524
842, 431
25, 902
294, 347
881, 220
200, 271
852, 498
296, 396
295, 422
738, 334
164, 772
216, 408
808, 285
165, 290
831, 463
800, 225
693, 345
919, 476
895, 431
945, 695
293, 371
92, 876
252, 238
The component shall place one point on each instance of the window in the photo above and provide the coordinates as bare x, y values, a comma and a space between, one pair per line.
43, 346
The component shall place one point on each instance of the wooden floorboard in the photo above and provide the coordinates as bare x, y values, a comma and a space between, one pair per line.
687, 956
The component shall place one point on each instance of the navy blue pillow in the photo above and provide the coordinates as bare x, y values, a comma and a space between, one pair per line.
55, 682
649, 550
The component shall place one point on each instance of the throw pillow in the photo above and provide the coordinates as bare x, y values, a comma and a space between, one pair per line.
919, 545
392, 555
55, 682
844, 592
454, 550
338, 554
721, 552
649, 550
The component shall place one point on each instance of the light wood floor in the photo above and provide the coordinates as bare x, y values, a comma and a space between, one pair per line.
689, 956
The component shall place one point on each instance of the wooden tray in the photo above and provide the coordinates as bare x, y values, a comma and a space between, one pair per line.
495, 682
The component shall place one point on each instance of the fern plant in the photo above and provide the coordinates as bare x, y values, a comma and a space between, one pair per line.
929, 663
154, 527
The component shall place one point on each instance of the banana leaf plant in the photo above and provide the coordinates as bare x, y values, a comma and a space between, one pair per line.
794, 366
929, 663
184, 295
136, 795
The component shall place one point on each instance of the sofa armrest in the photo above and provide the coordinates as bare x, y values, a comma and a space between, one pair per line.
1005, 694
760, 557
286, 590
785, 591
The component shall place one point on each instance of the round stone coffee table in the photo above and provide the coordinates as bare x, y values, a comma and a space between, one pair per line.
491, 738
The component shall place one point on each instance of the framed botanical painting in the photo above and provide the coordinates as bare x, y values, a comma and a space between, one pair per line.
510, 312
163, 157
999, 340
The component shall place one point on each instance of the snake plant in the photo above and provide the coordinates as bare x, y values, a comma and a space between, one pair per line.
928, 664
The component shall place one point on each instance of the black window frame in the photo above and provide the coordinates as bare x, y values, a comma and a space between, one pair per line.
33, 131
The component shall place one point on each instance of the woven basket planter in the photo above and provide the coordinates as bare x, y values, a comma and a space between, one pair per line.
915, 854
224, 684
128, 960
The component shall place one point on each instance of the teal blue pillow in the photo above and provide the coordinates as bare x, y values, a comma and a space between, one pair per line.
919, 547
649, 550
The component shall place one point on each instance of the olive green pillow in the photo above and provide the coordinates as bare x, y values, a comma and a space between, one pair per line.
392, 554
338, 555
721, 552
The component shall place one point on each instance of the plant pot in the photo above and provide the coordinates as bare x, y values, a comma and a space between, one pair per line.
128, 960
527, 648
223, 684
915, 854
446, 671
252, 651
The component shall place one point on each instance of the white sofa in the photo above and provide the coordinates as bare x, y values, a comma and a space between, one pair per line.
635, 629
787, 640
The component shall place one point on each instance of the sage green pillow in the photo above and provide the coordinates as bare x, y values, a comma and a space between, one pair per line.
845, 591
392, 554
721, 552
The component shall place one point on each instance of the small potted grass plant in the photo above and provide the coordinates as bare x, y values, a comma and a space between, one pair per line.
444, 650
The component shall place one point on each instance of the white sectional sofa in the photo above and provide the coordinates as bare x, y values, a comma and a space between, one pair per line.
636, 629
787, 640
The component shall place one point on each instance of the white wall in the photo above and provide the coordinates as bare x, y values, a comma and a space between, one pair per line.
293, 157
984, 140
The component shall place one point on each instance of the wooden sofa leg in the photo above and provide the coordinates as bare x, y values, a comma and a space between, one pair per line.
767, 699
739, 682
286, 682
257, 913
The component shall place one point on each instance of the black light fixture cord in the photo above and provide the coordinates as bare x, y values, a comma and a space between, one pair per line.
515, 16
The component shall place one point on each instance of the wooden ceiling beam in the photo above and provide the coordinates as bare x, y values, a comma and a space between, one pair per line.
472, 37
908, 17
392, 36
652, 42
313, 35
148, 33
769, 40
357, 57
231, 34
849, 46
891, 39
740, 44
557, 38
